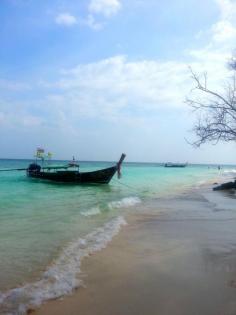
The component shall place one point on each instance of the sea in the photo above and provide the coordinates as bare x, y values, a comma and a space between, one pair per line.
46, 228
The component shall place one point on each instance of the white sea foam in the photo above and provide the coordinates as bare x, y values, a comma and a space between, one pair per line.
60, 278
91, 212
125, 202
230, 172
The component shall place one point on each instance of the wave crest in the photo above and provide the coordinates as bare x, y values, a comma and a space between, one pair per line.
61, 278
91, 212
125, 202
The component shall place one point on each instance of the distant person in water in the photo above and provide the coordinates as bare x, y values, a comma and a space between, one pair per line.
219, 167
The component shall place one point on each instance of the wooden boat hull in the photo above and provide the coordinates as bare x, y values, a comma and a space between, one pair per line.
97, 177
175, 165
64, 174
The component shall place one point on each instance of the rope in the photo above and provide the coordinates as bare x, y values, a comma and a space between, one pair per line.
135, 190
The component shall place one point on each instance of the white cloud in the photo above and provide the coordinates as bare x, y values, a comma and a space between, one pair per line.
13, 86
105, 7
222, 34
20, 117
125, 93
117, 87
221, 43
91, 22
227, 8
225, 29
66, 19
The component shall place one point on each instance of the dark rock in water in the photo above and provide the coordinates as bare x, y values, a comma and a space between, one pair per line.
229, 185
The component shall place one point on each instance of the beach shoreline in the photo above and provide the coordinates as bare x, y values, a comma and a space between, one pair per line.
178, 260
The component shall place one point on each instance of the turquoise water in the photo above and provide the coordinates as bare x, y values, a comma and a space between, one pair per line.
40, 220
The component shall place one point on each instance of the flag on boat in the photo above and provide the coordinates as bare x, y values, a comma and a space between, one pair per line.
40, 153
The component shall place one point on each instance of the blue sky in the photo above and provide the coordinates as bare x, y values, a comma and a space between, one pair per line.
95, 78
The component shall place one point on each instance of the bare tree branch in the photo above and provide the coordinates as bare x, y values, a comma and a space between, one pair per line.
216, 111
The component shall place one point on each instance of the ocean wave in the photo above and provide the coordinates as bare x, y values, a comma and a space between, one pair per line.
125, 202
60, 278
230, 172
91, 212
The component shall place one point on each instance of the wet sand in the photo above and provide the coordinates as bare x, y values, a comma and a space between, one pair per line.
179, 260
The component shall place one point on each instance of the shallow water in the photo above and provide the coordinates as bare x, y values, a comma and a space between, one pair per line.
39, 220
178, 261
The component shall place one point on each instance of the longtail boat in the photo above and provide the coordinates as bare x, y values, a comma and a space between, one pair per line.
70, 173
175, 164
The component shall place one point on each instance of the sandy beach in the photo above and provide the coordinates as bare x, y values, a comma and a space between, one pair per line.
117, 121
180, 260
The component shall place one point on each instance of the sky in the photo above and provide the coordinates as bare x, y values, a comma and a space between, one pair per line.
95, 78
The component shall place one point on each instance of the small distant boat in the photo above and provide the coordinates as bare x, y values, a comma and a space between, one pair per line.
169, 164
70, 173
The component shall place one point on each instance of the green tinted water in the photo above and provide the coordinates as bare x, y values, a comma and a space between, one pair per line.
38, 219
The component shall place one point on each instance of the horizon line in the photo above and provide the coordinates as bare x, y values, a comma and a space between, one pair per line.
104, 161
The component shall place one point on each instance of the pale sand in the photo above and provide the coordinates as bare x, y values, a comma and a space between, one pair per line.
160, 265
